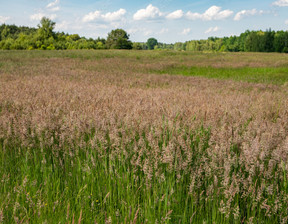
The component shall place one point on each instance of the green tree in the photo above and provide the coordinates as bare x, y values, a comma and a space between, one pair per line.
242, 39
46, 28
137, 46
255, 41
5, 32
151, 43
180, 46
269, 41
73, 37
118, 39
281, 41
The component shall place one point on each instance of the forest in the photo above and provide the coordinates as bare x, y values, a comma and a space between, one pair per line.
43, 37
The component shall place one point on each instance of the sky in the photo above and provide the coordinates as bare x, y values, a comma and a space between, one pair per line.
168, 21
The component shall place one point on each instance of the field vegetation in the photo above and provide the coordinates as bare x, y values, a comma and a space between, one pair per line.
143, 137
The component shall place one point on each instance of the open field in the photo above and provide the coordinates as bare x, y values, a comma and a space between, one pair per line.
143, 137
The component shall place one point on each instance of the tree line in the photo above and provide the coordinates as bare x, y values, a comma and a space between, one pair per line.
13, 37
43, 37
249, 41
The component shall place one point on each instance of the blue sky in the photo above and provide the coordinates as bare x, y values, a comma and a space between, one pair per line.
168, 21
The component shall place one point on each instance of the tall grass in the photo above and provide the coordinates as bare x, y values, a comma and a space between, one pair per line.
100, 140
169, 177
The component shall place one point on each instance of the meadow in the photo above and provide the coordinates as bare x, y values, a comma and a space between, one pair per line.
143, 137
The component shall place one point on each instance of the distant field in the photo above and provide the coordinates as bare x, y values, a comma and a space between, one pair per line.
269, 68
143, 137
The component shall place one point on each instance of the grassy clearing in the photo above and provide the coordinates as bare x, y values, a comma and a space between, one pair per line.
269, 68
101, 137
277, 76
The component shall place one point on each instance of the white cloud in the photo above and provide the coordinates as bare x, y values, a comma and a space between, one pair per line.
281, 3
150, 12
40, 15
92, 16
213, 13
286, 22
244, 13
53, 6
55, 9
193, 15
212, 29
3, 19
47, 12
114, 16
143, 31
186, 31
178, 14
110, 16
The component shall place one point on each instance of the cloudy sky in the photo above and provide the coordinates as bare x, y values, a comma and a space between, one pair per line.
168, 21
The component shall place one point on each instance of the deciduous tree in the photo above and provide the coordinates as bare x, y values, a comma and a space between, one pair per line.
118, 39
151, 43
46, 28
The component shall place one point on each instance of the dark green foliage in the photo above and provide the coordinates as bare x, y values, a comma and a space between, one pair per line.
269, 41
151, 43
281, 41
13, 31
255, 42
13, 37
250, 41
118, 39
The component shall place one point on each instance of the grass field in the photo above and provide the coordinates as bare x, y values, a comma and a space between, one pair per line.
143, 137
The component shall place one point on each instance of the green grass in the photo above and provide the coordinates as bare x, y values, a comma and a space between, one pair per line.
47, 183
193, 58
57, 184
268, 75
